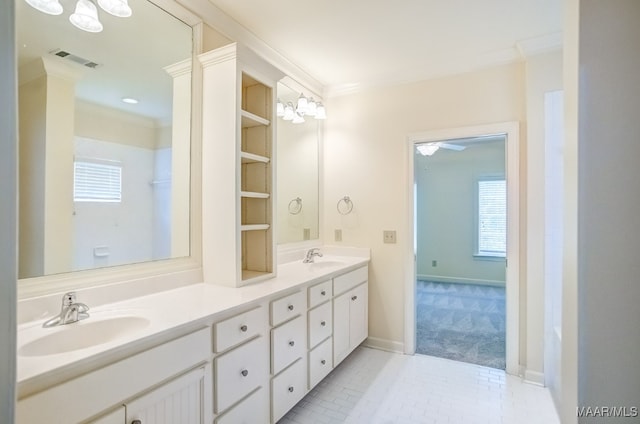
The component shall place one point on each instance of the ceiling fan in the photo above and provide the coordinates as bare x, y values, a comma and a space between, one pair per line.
428, 149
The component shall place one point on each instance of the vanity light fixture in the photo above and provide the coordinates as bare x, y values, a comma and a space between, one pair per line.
85, 15
304, 107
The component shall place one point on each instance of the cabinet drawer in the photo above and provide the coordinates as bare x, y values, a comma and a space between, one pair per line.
287, 389
239, 372
344, 282
287, 308
239, 328
320, 362
287, 344
253, 409
320, 293
320, 324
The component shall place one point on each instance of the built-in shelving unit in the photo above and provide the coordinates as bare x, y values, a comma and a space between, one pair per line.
238, 148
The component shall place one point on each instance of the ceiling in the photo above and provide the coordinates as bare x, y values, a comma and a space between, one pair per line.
355, 44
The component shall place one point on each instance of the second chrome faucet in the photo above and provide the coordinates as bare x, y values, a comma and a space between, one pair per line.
311, 254
71, 311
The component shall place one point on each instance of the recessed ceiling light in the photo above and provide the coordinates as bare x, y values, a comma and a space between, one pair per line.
130, 100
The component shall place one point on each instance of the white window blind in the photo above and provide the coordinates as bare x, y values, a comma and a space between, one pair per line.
97, 182
492, 218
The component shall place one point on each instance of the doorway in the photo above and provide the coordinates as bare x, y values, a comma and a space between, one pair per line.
437, 276
460, 234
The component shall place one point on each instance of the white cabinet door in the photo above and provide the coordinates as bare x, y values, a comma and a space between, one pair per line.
341, 327
358, 319
178, 401
350, 322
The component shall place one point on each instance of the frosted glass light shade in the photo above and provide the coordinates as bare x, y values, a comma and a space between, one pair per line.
50, 7
85, 16
118, 8
297, 118
279, 109
321, 112
311, 107
288, 112
302, 104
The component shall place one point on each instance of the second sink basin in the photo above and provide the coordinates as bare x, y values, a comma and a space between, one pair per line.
91, 332
324, 264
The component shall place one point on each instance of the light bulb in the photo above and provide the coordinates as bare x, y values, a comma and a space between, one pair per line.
321, 112
288, 112
302, 104
279, 109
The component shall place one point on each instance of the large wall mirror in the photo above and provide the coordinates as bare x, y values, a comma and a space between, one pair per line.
297, 173
104, 121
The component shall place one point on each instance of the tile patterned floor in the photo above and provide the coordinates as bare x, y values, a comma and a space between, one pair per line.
377, 387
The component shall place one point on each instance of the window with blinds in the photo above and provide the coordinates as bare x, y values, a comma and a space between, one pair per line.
95, 181
492, 218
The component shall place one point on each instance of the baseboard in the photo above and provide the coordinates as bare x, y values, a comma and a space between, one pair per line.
534, 377
459, 280
383, 344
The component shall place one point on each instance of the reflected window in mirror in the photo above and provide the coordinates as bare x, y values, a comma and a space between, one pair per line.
95, 108
297, 173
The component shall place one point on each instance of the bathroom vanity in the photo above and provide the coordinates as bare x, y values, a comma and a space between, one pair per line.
197, 354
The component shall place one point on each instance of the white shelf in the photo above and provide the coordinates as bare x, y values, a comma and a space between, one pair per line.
247, 157
254, 227
251, 120
254, 195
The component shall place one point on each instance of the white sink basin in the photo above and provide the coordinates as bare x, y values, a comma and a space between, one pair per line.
322, 265
83, 334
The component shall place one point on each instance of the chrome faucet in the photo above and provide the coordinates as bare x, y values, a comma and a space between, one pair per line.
311, 254
71, 311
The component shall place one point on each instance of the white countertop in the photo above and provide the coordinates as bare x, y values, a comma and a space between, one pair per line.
170, 313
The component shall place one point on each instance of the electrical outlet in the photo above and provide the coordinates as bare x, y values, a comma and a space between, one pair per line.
306, 234
337, 235
389, 236
434, 263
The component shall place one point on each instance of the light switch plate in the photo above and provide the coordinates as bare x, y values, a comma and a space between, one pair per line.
337, 235
389, 236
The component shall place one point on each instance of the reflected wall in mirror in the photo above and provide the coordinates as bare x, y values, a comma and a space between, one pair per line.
297, 175
103, 182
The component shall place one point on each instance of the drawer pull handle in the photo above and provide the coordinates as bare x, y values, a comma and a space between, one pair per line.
244, 373
244, 328
323, 362
290, 389
323, 323
292, 343
323, 292
354, 297
290, 307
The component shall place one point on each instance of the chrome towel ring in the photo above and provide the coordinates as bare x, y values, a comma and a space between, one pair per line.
344, 205
295, 206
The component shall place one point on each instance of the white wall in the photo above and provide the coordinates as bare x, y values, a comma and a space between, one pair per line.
8, 210
543, 74
365, 157
446, 198
608, 151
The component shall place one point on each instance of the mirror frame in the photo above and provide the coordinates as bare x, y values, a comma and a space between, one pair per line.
160, 274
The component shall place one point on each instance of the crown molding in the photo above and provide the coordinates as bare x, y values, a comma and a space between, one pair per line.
224, 24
